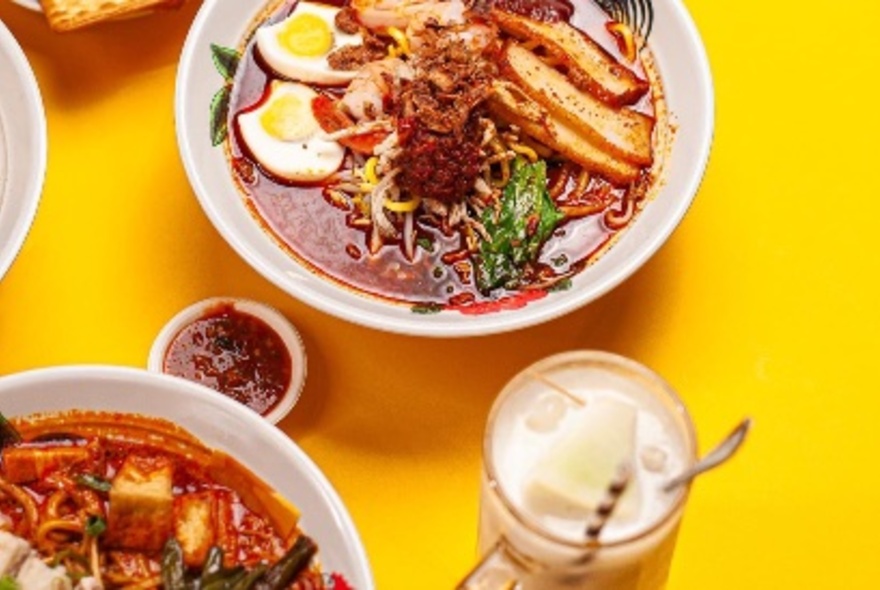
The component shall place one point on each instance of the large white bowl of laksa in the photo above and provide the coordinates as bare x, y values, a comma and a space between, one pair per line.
122, 478
445, 168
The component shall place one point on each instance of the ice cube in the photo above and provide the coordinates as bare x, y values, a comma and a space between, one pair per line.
545, 415
573, 476
653, 459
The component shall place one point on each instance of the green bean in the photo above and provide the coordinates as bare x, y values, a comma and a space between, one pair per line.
248, 580
213, 568
280, 575
173, 569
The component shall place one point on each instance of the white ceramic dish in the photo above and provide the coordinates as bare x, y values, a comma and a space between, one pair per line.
271, 316
219, 423
22, 148
684, 69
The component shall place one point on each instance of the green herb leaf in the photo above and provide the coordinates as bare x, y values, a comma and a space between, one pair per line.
225, 60
563, 285
94, 482
219, 115
527, 218
8, 434
426, 244
8, 583
95, 526
426, 308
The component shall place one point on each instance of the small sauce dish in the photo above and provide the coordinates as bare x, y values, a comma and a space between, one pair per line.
243, 349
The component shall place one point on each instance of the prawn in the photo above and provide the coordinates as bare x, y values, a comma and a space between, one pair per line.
379, 15
365, 96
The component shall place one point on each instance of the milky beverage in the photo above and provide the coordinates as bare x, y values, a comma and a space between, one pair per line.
549, 461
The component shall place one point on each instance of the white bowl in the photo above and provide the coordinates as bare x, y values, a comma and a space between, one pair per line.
683, 67
219, 423
270, 315
22, 148
30, 4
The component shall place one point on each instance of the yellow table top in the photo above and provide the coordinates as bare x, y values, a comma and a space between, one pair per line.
763, 303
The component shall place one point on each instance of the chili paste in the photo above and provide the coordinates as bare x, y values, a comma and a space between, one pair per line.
235, 353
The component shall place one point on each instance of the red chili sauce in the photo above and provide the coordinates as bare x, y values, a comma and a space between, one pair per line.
235, 353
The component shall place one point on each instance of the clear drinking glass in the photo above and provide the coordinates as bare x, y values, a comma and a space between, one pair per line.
524, 544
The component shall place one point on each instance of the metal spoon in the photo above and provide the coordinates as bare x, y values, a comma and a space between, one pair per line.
715, 457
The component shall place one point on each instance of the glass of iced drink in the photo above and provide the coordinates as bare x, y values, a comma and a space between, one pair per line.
559, 434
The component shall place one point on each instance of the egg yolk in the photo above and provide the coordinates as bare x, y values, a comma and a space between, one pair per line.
306, 35
285, 118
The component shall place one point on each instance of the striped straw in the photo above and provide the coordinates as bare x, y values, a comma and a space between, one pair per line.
541, 378
599, 518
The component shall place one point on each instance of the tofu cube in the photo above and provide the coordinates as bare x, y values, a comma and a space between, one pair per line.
141, 507
224, 527
204, 519
194, 525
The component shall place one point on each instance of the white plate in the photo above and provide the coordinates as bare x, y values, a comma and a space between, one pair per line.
22, 148
220, 423
684, 69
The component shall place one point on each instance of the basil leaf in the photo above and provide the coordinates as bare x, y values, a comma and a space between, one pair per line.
225, 60
8, 583
426, 308
219, 115
526, 220
8, 434
94, 482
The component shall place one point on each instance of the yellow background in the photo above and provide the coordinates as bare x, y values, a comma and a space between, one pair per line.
765, 302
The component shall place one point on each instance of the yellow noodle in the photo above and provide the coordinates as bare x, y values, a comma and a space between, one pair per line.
31, 513
53, 504
525, 150
57, 525
583, 180
90, 502
505, 173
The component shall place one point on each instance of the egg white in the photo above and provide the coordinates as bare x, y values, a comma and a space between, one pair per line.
314, 69
294, 149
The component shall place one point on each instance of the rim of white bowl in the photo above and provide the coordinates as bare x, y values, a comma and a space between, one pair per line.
275, 320
375, 313
29, 122
200, 395
29, 4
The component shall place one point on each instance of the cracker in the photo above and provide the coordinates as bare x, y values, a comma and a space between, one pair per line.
66, 15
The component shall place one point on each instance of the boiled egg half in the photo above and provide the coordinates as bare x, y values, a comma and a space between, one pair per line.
297, 47
284, 137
